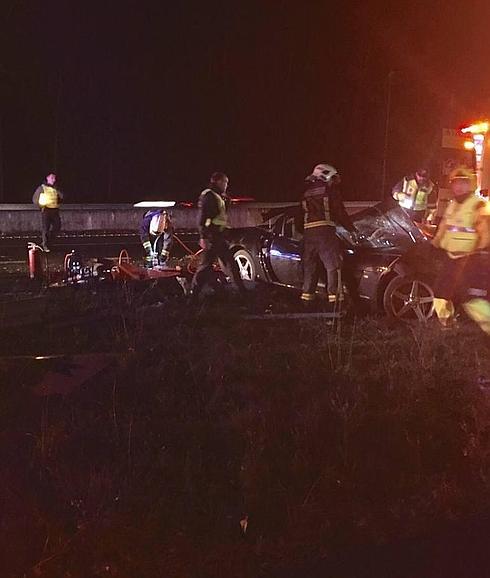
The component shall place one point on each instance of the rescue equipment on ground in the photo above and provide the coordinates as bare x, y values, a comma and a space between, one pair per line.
77, 271
36, 259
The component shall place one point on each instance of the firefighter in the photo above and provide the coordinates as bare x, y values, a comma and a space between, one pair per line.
49, 198
156, 234
414, 192
212, 223
323, 209
464, 236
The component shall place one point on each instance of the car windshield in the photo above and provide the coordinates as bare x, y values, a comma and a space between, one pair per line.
385, 225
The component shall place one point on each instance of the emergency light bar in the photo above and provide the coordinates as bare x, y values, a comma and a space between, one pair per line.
150, 204
477, 128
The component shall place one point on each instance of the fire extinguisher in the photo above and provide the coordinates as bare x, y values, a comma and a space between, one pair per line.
36, 269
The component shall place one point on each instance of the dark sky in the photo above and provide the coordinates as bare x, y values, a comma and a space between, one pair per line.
128, 100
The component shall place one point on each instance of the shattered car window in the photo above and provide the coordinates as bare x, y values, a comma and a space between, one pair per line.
385, 225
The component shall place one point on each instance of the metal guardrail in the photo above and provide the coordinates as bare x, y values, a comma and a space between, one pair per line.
68, 206
131, 207
19, 219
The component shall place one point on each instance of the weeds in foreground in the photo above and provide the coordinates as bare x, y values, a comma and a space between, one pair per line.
322, 438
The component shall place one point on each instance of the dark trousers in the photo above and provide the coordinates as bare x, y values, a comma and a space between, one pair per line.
322, 248
219, 250
50, 225
464, 278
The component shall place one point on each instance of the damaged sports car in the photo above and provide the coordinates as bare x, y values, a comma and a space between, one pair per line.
390, 269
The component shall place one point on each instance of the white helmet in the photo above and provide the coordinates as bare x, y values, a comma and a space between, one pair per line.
322, 172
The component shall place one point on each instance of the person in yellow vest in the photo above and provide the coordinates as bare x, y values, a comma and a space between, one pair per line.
49, 198
464, 236
212, 223
415, 193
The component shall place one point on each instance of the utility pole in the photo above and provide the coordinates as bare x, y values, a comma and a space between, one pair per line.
3, 75
111, 159
2, 188
387, 130
3, 93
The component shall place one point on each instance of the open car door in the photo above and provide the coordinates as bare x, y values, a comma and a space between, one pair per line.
285, 252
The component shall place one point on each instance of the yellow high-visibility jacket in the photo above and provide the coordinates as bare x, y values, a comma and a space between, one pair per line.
47, 197
212, 212
411, 195
465, 227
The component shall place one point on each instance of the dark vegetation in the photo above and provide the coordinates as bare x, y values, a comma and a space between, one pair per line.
214, 446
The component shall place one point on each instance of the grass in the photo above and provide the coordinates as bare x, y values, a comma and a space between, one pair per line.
325, 439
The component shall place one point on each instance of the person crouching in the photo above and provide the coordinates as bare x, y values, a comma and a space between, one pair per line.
156, 233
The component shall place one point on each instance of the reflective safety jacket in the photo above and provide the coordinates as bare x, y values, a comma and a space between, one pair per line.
155, 223
411, 195
323, 207
47, 197
465, 227
212, 213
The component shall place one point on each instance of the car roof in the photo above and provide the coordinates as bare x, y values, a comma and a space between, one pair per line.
285, 210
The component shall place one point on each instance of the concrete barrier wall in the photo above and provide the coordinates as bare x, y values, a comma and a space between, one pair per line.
19, 219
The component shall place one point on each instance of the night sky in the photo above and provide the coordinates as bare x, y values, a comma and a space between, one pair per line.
133, 100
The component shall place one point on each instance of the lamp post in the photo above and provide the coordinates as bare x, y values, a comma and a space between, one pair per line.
2, 92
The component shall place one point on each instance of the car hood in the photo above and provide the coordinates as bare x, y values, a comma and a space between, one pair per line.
385, 227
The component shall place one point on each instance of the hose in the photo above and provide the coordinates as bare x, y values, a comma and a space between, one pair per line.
66, 261
190, 269
123, 257
193, 254
190, 251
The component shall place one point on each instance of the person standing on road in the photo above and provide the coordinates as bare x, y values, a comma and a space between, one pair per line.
414, 193
212, 223
49, 198
323, 209
464, 236
156, 234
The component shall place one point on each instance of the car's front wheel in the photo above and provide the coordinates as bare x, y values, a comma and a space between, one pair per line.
246, 265
408, 298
